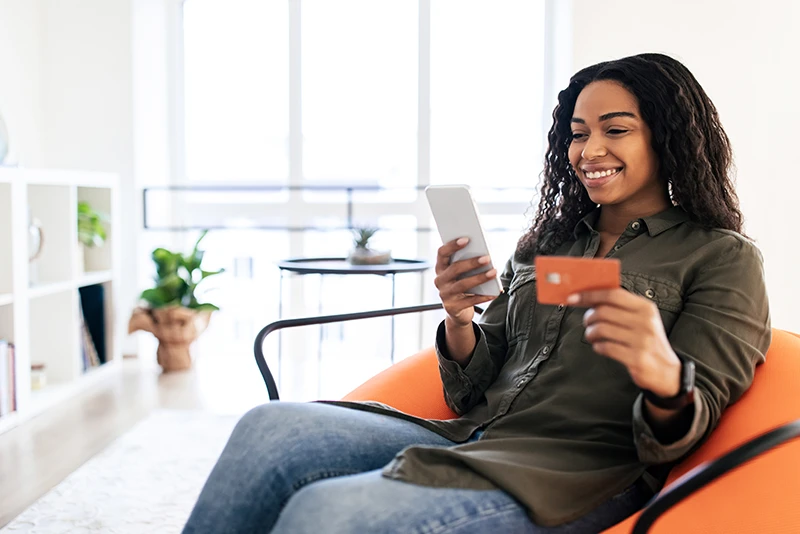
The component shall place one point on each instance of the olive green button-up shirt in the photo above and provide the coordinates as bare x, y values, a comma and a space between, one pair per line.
563, 426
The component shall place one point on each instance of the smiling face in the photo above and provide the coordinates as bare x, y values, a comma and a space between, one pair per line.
611, 151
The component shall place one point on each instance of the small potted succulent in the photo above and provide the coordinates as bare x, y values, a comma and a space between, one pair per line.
172, 312
362, 254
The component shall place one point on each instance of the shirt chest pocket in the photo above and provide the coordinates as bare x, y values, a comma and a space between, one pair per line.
521, 304
665, 295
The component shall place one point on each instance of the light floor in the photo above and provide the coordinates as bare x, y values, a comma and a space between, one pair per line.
40, 453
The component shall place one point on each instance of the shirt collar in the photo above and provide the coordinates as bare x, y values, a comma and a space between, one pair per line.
661, 222
656, 224
588, 223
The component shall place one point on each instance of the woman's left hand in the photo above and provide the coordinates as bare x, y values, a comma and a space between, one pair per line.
628, 328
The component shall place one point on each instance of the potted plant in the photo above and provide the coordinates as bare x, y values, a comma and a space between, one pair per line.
362, 254
172, 313
91, 232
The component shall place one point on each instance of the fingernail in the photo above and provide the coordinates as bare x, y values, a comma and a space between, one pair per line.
462, 241
491, 273
573, 299
483, 259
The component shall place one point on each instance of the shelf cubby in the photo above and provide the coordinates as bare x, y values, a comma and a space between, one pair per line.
55, 330
97, 259
55, 208
7, 322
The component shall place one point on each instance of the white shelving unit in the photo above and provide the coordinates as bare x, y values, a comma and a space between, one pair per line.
40, 307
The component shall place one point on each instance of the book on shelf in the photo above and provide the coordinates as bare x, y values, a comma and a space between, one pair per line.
8, 393
88, 351
92, 303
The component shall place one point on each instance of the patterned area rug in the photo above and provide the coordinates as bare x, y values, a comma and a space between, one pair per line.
145, 481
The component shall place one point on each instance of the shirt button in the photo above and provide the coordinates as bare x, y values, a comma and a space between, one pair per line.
520, 383
635, 225
650, 293
617, 247
560, 307
546, 349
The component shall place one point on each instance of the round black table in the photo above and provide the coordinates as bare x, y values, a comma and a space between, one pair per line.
340, 266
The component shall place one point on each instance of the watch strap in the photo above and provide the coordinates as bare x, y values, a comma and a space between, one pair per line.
685, 395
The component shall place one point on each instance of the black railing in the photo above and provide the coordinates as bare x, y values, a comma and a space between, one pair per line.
349, 191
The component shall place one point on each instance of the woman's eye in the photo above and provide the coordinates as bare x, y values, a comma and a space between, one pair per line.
577, 135
617, 131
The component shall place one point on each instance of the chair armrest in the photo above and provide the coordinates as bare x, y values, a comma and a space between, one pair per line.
706, 473
272, 387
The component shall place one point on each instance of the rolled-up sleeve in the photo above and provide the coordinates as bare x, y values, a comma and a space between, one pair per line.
465, 386
724, 328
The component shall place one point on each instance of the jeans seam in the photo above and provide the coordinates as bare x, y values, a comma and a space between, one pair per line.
465, 520
321, 475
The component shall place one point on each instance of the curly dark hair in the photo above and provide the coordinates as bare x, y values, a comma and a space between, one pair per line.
694, 153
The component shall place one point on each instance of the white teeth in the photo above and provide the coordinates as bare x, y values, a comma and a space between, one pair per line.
601, 174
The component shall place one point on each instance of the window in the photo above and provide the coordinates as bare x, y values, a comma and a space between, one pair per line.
487, 61
391, 93
236, 79
359, 91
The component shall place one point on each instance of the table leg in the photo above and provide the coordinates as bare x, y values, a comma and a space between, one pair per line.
421, 318
321, 336
280, 315
393, 290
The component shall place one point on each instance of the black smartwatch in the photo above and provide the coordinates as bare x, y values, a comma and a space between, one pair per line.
684, 397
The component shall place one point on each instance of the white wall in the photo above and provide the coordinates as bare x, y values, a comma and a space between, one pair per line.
745, 54
86, 85
20, 79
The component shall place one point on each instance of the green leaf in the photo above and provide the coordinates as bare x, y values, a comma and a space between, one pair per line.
167, 262
156, 297
174, 287
172, 282
206, 274
178, 276
205, 307
91, 231
197, 243
192, 262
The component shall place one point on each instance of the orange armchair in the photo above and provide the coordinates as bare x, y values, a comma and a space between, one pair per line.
744, 479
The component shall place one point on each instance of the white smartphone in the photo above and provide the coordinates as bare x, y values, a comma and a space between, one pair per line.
456, 215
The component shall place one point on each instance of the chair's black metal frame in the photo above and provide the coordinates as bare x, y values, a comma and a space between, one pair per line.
272, 388
680, 490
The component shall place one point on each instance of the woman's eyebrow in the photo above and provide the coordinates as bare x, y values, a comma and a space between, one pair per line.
615, 114
608, 116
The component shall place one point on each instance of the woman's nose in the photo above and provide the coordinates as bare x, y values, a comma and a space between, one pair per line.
593, 148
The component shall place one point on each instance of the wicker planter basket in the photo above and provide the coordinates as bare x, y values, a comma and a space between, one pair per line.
176, 328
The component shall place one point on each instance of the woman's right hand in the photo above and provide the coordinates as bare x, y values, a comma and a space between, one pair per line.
453, 292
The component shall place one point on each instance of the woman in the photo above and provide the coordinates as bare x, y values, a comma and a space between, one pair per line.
570, 416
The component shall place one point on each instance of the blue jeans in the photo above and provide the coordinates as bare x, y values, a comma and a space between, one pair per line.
309, 468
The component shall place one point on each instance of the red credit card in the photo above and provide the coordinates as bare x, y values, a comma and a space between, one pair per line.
558, 277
